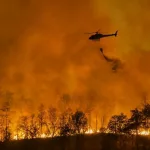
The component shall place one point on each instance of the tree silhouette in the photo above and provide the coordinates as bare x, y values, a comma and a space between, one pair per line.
65, 124
41, 117
117, 123
6, 116
65, 130
136, 120
88, 111
79, 121
52, 120
146, 115
2, 127
23, 127
33, 127
102, 128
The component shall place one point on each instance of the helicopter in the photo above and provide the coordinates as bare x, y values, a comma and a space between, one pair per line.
97, 36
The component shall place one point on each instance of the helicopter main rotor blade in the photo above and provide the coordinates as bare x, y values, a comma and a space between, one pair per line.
98, 30
90, 33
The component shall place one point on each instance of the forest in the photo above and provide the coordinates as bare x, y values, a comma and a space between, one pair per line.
51, 124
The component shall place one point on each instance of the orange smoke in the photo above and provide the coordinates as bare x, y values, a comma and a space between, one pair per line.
45, 54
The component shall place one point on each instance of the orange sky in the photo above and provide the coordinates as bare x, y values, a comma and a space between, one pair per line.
45, 53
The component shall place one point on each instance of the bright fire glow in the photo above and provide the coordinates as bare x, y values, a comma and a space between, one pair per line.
90, 131
43, 135
144, 132
18, 136
15, 137
21, 135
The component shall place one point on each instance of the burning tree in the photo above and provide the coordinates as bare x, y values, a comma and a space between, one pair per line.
41, 117
5, 120
52, 121
117, 123
5, 115
1, 127
66, 123
146, 115
79, 121
135, 121
23, 128
102, 128
65, 130
33, 127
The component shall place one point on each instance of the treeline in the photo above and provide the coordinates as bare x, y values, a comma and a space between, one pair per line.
51, 122
46, 123
137, 123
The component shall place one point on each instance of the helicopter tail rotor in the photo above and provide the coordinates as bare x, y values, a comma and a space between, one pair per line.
116, 33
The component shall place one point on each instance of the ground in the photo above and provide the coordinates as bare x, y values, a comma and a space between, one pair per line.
81, 142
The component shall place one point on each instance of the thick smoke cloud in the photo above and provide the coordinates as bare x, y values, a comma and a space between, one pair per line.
45, 53
132, 46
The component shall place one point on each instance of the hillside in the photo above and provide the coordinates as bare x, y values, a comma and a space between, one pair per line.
81, 142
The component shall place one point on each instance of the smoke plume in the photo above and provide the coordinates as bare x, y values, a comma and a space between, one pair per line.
45, 53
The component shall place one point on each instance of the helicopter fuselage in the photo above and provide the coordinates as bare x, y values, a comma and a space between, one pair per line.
97, 36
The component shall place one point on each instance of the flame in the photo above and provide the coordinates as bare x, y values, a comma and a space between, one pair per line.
15, 137
144, 132
90, 131
43, 135
21, 135
18, 136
